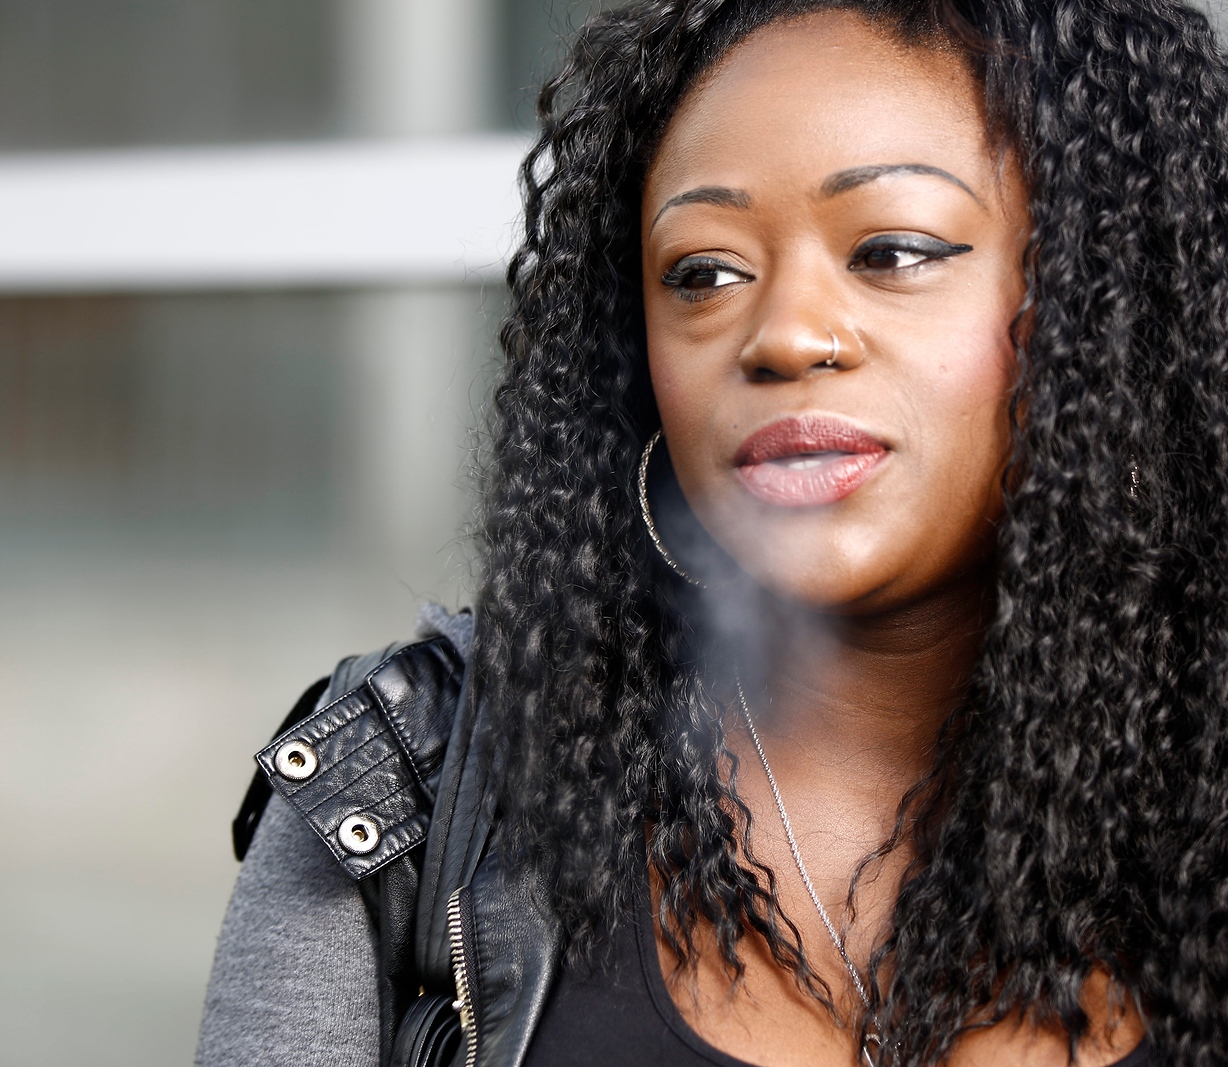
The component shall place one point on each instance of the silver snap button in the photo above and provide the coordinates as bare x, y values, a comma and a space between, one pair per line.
359, 834
296, 760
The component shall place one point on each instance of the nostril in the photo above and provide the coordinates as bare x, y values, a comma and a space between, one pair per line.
765, 374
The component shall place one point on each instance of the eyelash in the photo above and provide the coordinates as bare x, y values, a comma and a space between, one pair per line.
931, 248
688, 268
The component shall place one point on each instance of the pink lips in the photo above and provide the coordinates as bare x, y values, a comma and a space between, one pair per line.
807, 461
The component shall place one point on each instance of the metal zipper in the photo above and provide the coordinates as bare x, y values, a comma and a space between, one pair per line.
460, 974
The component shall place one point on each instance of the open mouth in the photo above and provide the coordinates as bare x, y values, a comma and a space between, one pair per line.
808, 461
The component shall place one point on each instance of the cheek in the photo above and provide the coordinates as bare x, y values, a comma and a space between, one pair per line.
685, 385
665, 369
964, 402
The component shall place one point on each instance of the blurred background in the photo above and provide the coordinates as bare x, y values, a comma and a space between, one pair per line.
249, 284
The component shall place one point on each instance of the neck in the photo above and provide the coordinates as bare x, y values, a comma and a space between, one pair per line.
868, 692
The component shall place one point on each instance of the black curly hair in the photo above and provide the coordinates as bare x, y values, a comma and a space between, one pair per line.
1077, 815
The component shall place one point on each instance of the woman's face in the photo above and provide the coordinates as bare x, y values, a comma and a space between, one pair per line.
832, 261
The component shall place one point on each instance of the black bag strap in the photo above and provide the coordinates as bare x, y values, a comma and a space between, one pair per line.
243, 829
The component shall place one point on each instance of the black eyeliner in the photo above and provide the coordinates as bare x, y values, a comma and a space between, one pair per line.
933, 247
676, 275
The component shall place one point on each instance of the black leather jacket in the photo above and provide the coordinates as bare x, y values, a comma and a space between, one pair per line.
390, 774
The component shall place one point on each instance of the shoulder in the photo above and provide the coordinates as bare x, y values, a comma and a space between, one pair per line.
361, 765
434, 622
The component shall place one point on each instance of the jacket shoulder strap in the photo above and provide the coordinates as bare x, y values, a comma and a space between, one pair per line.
362, 770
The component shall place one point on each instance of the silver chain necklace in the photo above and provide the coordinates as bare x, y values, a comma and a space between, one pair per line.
836, 940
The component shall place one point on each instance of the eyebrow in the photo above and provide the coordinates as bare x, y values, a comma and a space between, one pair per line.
844, 180
717, 195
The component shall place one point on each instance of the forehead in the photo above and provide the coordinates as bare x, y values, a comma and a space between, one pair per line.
805, 97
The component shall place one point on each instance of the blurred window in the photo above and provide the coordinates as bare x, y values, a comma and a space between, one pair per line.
87, 74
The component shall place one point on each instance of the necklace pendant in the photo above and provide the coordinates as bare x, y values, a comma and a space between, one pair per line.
867, 1058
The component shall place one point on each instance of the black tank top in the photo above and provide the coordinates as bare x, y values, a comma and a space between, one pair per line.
617, 1012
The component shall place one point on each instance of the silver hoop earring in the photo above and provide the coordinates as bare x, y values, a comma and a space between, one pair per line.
646, 514
830, 361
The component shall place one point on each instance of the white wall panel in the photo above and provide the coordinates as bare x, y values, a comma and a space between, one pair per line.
313, 215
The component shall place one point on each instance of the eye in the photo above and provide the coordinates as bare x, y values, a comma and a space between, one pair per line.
892, 252
697, 277
891, 259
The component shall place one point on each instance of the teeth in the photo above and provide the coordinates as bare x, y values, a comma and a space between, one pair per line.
804, 463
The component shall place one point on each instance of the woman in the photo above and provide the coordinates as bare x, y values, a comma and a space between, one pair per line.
849, 675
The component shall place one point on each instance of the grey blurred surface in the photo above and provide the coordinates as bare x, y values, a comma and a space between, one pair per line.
207, 499
192, 533
1218, 12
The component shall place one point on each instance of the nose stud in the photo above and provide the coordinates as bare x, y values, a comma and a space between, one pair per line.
793, 349
830, 361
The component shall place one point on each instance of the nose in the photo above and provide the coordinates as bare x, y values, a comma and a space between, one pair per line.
799, 333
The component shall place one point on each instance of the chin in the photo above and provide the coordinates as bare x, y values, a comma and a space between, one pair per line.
813, 587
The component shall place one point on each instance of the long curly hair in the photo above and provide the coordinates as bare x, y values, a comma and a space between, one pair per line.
1077, 815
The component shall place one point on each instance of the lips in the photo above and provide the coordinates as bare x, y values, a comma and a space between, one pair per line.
807, 461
